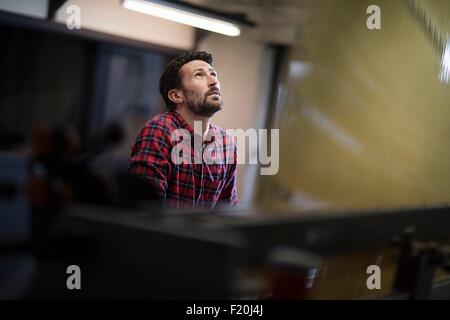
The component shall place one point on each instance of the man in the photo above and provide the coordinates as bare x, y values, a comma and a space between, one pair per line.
190, 162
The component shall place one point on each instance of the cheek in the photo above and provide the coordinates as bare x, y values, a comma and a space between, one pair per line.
200, 88
195, 96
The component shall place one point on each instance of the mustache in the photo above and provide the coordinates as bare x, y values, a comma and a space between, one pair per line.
214, 90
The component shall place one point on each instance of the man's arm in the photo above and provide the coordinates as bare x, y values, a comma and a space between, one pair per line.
150, 157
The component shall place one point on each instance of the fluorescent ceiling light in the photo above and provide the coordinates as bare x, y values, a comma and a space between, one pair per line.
179, 15
445, 64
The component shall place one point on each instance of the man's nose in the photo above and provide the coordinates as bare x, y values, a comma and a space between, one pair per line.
213, 82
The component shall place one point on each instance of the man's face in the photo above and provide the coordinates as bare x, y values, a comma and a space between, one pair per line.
201, 88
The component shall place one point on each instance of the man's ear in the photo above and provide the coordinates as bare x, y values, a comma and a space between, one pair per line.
176, 96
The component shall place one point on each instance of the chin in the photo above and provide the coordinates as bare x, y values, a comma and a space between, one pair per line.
216, 103
213, 110
215, 99
218, 107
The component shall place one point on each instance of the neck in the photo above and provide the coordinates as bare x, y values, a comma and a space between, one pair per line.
190, 118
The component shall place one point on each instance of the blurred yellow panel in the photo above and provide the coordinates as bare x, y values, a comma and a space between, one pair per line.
366, 122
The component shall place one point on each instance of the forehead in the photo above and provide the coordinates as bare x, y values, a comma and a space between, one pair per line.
194, 65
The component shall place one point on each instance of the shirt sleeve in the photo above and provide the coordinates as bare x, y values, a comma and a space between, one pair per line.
150, 157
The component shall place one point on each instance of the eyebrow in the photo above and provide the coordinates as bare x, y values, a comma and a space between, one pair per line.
201, 69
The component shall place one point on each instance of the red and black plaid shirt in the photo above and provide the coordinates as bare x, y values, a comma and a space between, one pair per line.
185, 184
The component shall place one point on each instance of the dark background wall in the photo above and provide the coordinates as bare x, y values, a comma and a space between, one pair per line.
51, 79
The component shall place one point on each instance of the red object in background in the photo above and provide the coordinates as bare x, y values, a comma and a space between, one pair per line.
288, 284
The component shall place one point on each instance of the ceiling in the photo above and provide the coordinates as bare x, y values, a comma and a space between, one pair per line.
278, 21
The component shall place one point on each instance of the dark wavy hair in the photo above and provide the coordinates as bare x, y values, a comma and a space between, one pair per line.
171, 79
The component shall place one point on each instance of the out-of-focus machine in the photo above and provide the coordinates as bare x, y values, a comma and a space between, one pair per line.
317, 256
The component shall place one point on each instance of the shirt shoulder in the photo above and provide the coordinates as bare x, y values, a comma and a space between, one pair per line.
162, 124
165, 120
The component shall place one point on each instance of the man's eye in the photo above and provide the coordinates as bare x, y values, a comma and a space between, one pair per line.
214, 74
197, 74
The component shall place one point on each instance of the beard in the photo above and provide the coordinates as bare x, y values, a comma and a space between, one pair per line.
202, 106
